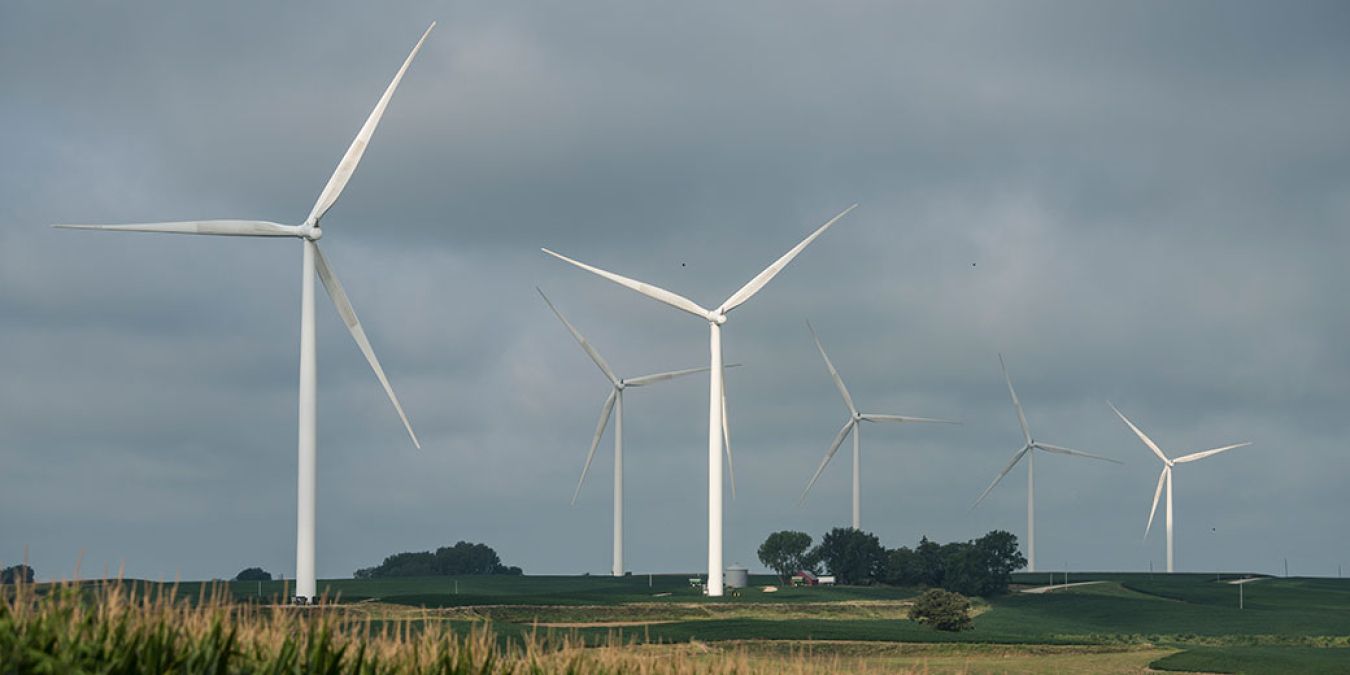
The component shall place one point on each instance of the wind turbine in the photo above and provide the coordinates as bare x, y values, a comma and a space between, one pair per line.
852, 425
1166, 477
1027, 451
313, 261
717, 395
614, 404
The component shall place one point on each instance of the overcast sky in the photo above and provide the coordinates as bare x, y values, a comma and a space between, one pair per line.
1140, 202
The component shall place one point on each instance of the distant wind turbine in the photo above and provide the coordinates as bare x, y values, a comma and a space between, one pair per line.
312, 262
1166, 477
614, 404
717, 400
855, 418
1028, 452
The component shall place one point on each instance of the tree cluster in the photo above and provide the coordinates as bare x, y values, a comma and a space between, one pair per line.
17, 574
981, 567
462, 558
253, 574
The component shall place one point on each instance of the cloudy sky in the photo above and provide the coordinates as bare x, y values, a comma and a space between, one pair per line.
1142, 202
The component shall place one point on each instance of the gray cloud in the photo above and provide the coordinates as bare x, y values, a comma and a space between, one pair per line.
1144, 203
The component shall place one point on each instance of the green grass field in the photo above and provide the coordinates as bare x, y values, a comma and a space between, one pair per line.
1186, 622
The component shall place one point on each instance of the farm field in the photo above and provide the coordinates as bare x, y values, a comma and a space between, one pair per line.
1127, 623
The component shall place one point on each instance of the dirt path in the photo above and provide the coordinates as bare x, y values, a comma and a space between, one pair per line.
1042, 589
598, 624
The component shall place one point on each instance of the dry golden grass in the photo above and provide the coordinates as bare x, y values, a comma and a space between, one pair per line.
110, 626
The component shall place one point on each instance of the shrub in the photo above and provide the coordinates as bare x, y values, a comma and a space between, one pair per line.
942, 610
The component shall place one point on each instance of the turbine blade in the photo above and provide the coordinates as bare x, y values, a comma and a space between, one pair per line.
838, 381
676, 301
1016, 404
662, 377
347, 166
1015, 458
1147, 441
590, 351
901, 418
1076, 453
838, 440
344, 308
599, 431
1156, 494
772, 271
227, 228
726, 439
1201, 455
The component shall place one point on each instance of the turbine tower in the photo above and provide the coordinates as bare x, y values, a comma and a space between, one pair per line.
313, 261
1028, 452
852, 425
614, 404
717, 398
1166, 477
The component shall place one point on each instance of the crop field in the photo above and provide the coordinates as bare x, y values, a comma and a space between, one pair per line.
1125, 623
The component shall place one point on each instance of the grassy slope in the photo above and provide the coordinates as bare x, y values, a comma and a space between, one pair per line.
1190, 606
1257, 660
1190, 611
562, 590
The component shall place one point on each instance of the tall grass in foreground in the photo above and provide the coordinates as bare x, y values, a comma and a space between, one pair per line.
108, 627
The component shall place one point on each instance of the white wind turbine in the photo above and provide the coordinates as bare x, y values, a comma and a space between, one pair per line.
1166, 477
313, 261
614, 403
855, 418
717, 401
1028, 451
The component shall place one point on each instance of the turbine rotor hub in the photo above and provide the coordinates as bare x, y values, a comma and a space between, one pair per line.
718, 318
311, 231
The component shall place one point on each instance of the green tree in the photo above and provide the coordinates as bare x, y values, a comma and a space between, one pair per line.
253, 574
852, 556
16, 574
1001, 557
964, 569
902, 567
787, 553
467, 558
929, 563
942, 610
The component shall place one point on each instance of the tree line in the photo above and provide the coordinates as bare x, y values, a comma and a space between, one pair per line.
980, 567
462, 558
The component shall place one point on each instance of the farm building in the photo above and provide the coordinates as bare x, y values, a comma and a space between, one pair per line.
806, 578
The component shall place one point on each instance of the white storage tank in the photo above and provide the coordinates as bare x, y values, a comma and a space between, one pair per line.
737, 577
